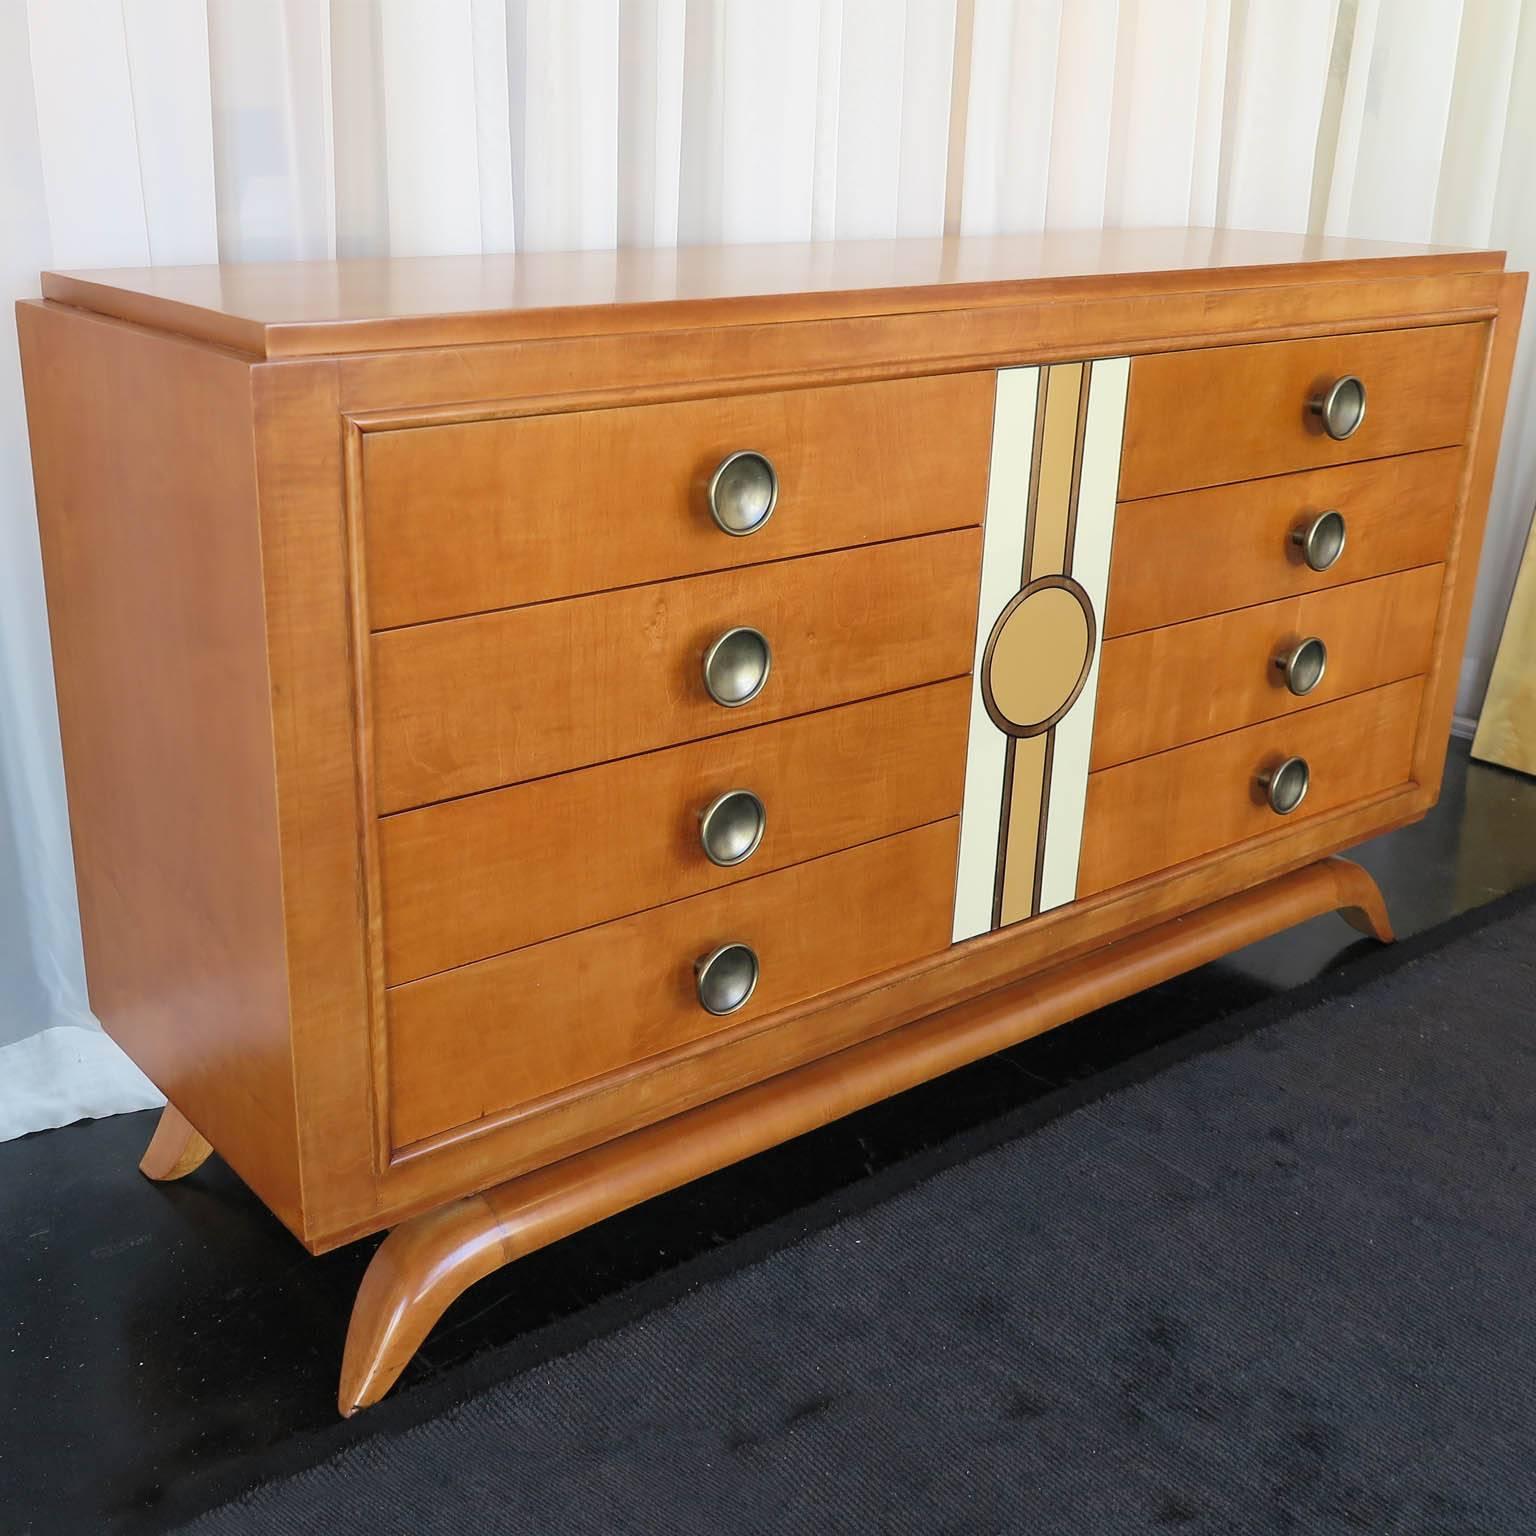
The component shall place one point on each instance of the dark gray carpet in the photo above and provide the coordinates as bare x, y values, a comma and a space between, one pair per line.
1288, 1285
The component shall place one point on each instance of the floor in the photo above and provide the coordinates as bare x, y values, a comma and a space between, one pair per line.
164, 1342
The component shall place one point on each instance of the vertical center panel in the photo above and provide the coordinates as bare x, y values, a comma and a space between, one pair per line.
1056, 443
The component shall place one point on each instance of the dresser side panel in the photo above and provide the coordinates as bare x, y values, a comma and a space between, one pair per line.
146, 490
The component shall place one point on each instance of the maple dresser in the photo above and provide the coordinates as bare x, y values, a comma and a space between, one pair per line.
539, 729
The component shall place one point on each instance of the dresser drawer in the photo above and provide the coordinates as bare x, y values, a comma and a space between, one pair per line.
1234, 413
468, 1042
466, 518
1232, 546
1160, 688
1148, 815
469, 704
473, 877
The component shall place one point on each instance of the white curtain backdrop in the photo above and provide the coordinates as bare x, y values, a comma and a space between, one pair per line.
174, 131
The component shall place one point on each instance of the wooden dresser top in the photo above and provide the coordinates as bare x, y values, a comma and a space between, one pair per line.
321, 308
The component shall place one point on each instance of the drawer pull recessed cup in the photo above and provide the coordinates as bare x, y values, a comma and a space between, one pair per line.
1340, 407
743, 491
737, 665
731, 827
1321, 541
1285, 786
1303, 665
725, 978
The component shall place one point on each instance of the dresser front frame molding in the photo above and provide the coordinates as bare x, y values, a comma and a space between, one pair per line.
310, 415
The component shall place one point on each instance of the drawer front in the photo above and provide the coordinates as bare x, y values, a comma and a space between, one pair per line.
1145, 816
502, 1032
1233, 546
470, 704
466, 518
478, 876
1160, 688
1234, 413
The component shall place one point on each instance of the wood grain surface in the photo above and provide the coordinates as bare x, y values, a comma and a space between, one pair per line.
290, 309
465, 518
175, 1150
324, 804
1152, 814
1216, 415
509, 1029
1232, 544
1160, 688
1080, 319
472, 877
468, 704
160, 662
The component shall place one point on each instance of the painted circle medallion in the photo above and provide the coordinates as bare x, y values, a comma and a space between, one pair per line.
1037, 657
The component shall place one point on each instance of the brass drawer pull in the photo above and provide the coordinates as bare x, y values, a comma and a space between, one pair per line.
725, 978
737, 665
1321, 542
743, 491
1285, 786
1341, 407
1303, 665
731, 827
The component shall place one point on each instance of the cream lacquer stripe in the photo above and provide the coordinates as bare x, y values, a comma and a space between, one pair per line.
1107, 385
1002, 558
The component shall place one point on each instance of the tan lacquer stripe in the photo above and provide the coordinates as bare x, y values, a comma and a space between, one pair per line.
1053, 507
1023, 829
1079, 448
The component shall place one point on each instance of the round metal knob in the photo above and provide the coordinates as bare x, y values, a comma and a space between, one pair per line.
1303, 665
725, 978
1285, 786
732, 826
1321, 541
736, 666
743, 491
1340, 407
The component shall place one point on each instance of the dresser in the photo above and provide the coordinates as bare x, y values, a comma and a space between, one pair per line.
539, 729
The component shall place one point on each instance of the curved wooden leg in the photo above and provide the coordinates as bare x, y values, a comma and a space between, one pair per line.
175, 1149
424, 1265
1361, 903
